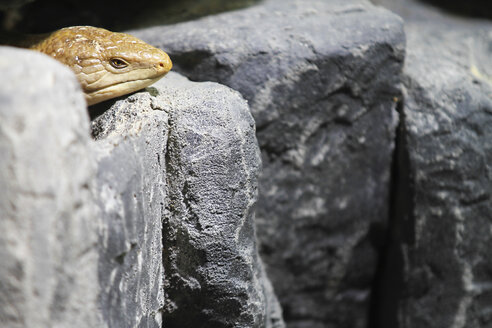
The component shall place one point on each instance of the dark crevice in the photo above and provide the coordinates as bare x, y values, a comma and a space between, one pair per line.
167, 241
180, 259
120, 259
388, 283
190, 60
167, 233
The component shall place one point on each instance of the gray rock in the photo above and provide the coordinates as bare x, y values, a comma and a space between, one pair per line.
447, 119
320, 78
442, 225
196, 141
131, 188
48, 244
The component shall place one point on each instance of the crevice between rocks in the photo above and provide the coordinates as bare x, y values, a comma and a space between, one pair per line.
388, 285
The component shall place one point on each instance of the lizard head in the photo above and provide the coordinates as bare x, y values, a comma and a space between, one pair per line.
107, 64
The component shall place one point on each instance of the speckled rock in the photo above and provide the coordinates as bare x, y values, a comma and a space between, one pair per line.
321, 78
443, 220
48, 244
448, 113
131, 187
200, 147
448, 141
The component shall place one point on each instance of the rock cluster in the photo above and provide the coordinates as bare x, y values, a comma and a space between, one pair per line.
151, 224
347, 147
321, 85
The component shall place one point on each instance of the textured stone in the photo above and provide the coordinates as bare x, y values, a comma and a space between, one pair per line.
48, 244
321, 79
447, 119
201, 138
443, 221
131, 188
96, 254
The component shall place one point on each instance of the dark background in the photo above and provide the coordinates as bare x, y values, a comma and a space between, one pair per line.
47, 15
41, 16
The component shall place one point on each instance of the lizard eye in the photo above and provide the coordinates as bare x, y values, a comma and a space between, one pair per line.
118, 63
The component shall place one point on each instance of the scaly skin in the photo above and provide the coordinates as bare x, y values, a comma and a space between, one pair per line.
107, 64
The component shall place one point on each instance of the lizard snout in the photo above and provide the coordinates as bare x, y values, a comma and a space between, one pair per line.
164, 65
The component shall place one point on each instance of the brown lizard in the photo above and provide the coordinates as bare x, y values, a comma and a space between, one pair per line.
107, 64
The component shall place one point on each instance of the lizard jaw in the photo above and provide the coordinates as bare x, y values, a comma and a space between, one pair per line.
119, 89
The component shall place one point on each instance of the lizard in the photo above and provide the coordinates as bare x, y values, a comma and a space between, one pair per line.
107, 64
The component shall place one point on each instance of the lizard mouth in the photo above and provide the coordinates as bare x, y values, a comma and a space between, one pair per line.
118, 89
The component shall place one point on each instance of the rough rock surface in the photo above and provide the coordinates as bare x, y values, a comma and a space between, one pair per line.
213, 275
131, 188
443, 223
447, 118
48, 253
320, 77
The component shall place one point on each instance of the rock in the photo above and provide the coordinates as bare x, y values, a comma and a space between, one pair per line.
321, 85
131, 188
448, 141
442, 224
447, 119
198, 145
48, 275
